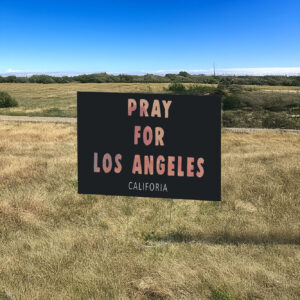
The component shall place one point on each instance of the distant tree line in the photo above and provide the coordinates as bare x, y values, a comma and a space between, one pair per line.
182, 77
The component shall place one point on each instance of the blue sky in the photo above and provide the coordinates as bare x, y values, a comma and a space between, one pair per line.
148, 36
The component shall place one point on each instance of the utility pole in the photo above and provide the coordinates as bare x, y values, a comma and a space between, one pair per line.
214, 70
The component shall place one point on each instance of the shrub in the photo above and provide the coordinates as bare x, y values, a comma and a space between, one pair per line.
177, 87
171, 77
221, 90
184, 74
229, 119
41, 79
231, 102
6, 100
11, 78
194, 89
197, 89
275, 120
235, 89
269, 101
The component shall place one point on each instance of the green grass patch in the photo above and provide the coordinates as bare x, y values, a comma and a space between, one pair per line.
223, 295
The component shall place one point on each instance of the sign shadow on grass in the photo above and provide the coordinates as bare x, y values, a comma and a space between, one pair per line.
219, 238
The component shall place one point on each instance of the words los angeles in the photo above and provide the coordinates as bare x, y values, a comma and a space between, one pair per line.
170, 165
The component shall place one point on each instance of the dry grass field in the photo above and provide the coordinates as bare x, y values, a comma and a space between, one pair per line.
276, 88
60, 99
56, 244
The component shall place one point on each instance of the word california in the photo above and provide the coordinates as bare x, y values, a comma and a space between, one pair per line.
144, 136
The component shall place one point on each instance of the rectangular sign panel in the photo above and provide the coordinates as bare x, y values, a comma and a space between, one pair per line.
149, 145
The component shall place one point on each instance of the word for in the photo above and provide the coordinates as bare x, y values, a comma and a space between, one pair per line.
148, 135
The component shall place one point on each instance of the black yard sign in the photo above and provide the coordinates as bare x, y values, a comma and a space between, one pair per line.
149, 145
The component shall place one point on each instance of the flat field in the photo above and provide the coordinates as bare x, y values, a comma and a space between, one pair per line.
56, 244
59, 100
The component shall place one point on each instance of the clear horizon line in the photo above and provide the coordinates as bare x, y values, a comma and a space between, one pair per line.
253, 71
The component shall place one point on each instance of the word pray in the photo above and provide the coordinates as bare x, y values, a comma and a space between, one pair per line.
146, 111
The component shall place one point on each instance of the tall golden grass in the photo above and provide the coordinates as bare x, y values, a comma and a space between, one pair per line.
60, 99
56, 244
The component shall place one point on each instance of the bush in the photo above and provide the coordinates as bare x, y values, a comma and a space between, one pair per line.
221, 90
235, 89
275, 120
196, 89
259, 119
269, 101
7, 100
231, 102
238, 118
177, 87
184, 74
41, 79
